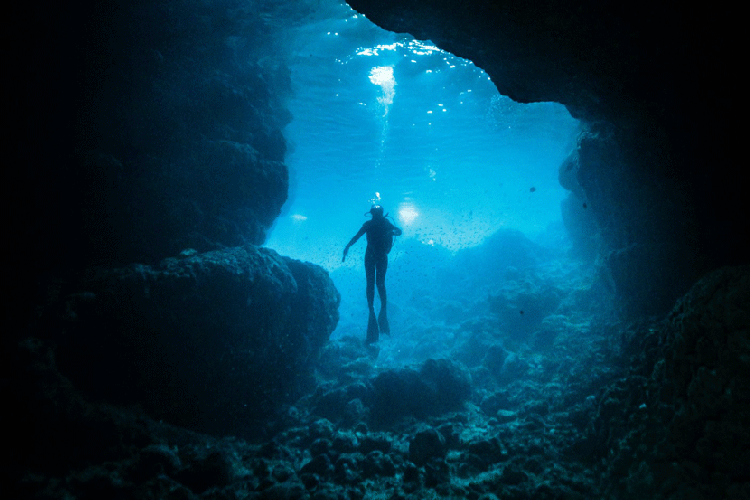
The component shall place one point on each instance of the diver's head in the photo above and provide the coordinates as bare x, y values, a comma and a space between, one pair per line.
376, 211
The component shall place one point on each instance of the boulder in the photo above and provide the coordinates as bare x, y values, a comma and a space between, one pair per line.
521, 306
437, 387
427, 445
212, 341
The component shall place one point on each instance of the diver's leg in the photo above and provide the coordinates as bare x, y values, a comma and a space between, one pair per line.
372, 325
370, 278
381, 268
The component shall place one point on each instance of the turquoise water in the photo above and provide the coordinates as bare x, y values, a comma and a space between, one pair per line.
380, 116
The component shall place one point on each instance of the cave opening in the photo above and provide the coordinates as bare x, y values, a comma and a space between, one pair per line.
380, 117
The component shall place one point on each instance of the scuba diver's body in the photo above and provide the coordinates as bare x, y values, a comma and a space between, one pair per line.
380, 232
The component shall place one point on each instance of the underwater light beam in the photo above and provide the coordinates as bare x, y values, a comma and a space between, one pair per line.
407, 213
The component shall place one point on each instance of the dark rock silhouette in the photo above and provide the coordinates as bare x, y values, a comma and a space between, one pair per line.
162, 132
213, 342
684, 401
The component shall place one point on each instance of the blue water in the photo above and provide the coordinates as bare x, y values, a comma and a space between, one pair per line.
382, 117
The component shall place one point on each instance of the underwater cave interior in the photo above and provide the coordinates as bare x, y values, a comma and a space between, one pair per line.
567, 304
383, 118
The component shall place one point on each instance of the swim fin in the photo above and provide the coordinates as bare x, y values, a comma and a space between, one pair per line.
372, 329
383, 322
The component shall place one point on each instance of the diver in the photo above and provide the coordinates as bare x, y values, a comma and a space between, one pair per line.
380, 233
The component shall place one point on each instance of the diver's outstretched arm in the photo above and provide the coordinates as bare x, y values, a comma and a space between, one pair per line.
353, 241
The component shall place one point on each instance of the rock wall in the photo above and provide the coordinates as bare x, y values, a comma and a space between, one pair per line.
675, 426
150, 129
152, 155
655, 162
214, 342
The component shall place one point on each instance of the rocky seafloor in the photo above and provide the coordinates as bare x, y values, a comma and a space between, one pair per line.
583, 405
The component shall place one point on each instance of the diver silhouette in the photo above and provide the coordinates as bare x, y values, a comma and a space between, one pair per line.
380, 233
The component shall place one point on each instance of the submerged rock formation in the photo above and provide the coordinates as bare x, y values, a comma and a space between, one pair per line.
436, 387
655, 163
214, 342
675, 427
653, 410
150, 129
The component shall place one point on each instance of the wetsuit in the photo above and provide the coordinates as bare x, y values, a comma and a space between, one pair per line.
380, 233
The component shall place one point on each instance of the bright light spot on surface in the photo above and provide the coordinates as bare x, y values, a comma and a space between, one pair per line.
383, 77
298, 218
